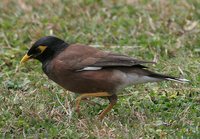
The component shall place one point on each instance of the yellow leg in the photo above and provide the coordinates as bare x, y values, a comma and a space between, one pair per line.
99, 94
106, 110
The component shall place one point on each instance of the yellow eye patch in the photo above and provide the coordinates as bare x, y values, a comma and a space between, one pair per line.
42, 48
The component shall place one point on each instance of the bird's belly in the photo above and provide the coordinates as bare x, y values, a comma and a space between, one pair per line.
86, 86
88, 81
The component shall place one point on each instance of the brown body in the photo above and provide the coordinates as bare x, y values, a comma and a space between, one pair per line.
80, 81
89, 71
69, 75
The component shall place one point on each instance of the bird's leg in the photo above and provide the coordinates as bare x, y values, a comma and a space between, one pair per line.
113, 101
99, 94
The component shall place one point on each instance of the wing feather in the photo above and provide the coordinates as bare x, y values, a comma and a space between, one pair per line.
81, 57
117, 60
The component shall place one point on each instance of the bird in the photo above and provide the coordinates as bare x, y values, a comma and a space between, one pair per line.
91, 72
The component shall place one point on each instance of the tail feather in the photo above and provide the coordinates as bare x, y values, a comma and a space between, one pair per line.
178, 80
169, 78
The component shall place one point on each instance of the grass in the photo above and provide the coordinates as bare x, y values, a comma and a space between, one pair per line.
31, 106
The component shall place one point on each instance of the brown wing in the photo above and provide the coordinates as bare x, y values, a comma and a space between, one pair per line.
78, 57
117, 60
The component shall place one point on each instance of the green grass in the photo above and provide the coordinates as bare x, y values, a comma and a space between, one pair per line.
31, 106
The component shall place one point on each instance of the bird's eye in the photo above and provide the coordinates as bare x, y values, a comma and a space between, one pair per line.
36, 51
39, 50
42, 48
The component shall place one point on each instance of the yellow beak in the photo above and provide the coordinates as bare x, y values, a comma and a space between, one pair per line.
25, 58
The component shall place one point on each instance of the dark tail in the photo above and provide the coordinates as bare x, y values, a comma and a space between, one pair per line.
169, 78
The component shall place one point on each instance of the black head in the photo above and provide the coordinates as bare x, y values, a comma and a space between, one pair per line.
45, 49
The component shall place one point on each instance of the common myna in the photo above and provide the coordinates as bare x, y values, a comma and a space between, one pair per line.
90, 72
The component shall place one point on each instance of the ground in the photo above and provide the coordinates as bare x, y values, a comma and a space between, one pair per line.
164, 31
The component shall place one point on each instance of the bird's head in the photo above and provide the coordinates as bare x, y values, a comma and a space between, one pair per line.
45, 49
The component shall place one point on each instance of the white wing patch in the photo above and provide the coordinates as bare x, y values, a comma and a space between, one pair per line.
90, 68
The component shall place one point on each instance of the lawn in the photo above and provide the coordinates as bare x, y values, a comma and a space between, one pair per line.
165, 31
